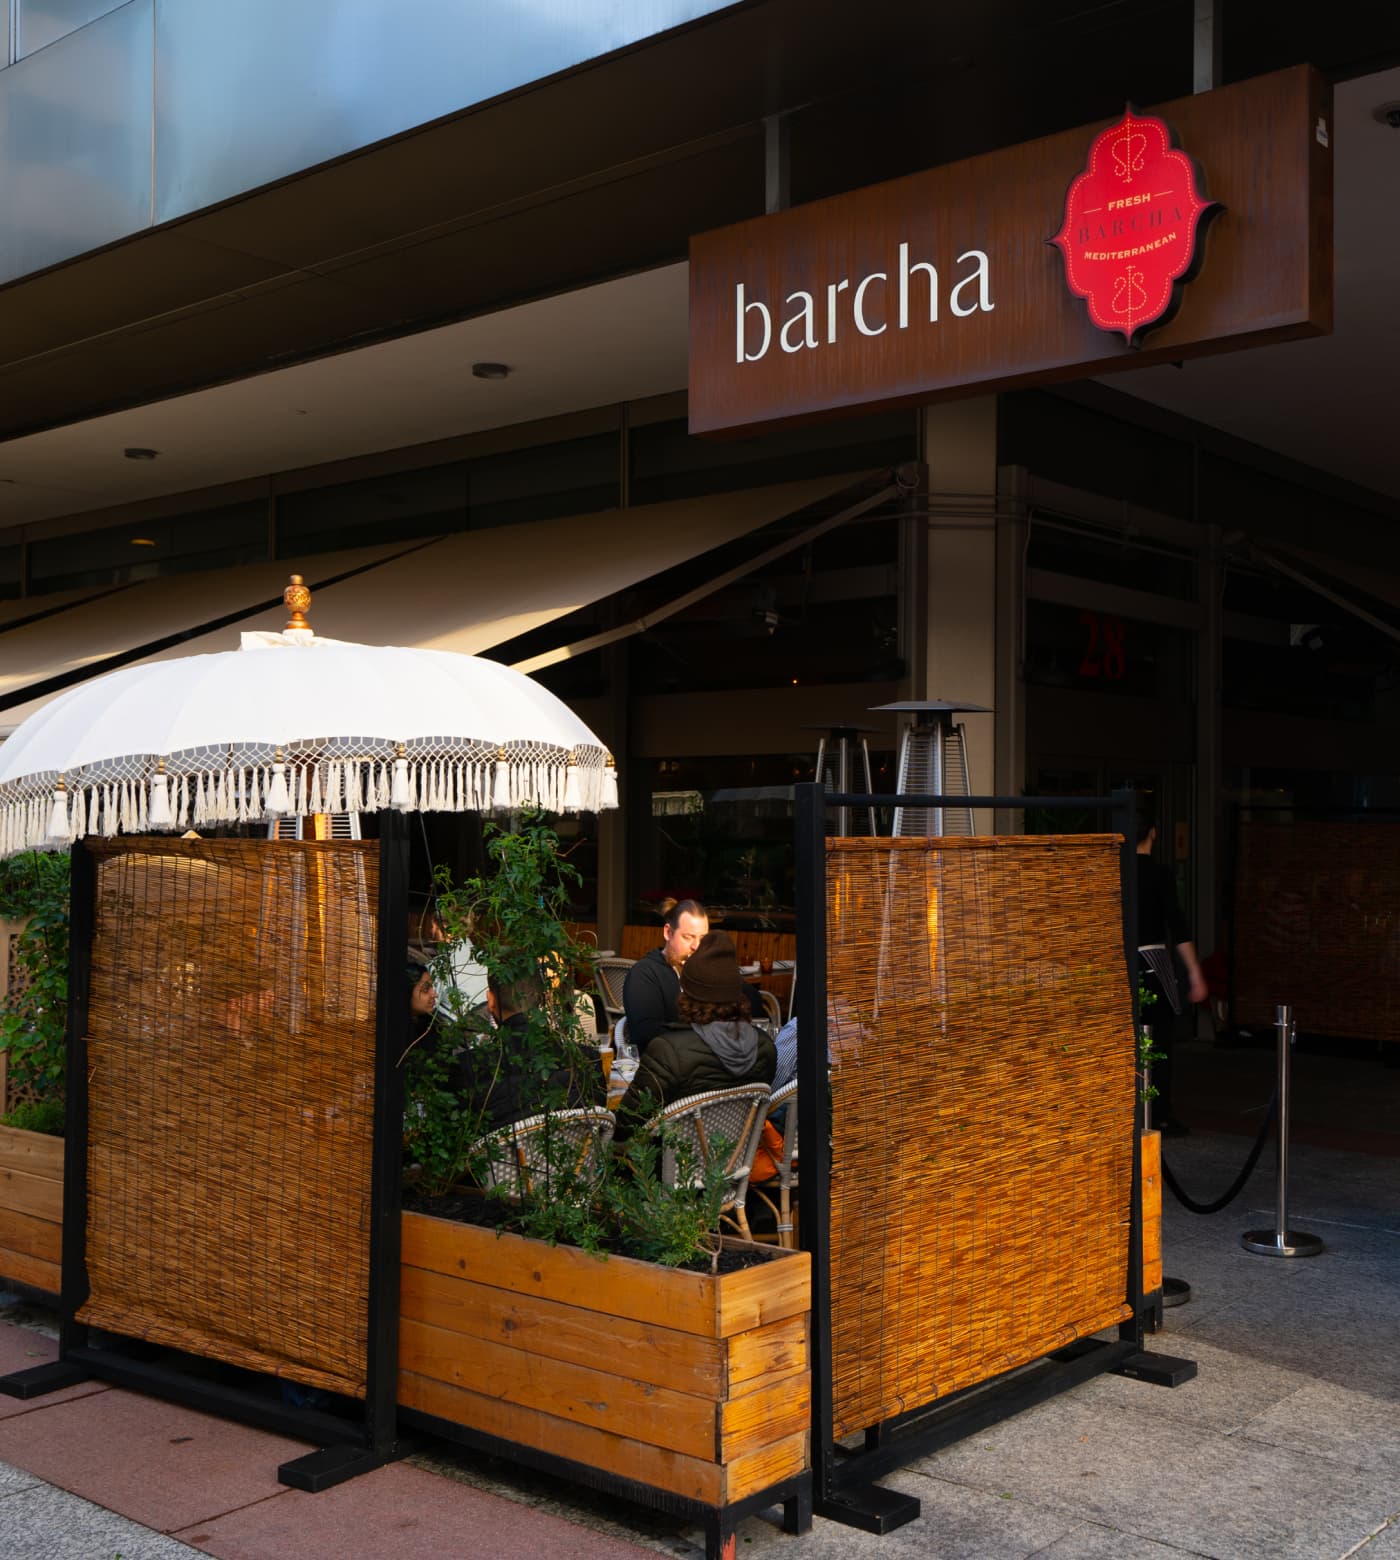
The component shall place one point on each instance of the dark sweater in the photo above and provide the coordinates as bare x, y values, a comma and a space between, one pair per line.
649, 998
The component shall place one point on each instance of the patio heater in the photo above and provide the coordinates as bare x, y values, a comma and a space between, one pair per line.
932, 762
842, 753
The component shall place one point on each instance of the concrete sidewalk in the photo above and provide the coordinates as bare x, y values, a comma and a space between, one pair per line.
1286, 1447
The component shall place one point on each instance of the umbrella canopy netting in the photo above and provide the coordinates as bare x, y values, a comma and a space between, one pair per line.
230, 1097
292, 725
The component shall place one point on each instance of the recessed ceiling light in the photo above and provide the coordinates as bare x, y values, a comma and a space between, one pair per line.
136, 452
489, 370
142, 541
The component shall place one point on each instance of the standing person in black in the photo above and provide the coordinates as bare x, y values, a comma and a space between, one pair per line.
653, 983
1161, 924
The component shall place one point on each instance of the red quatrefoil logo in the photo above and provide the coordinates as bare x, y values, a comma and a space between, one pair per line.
1134, 226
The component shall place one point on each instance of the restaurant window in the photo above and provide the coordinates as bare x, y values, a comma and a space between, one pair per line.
1062, 441
720, 830
1105, 652
145, 549
11, 572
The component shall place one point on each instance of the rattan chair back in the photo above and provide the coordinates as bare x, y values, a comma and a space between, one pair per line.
721, 1126
526, 1158
772, 1010
785, 1182
609, 975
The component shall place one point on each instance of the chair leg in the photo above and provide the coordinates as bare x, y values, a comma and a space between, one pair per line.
742, 1220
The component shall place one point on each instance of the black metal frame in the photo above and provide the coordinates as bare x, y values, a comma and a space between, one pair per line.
794, 1494
349, 1447
843, 1479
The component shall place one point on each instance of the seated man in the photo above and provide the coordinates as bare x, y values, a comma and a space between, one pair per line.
650, 990
653, 983
504, 1078
712, 1045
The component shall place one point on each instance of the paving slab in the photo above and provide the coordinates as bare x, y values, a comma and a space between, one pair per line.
42, 1523
1358, 1430
1182, 1485
158, 1463
1228, 1392
21, 1349
1385, 1545
14, 1479
396, 1511
1091, 1541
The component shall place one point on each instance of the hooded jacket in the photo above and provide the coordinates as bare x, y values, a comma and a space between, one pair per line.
693, 1060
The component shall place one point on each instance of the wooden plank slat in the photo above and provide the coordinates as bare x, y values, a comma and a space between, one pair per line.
661, 1356
35, 1153
767, 1353
37, 1195
766, 1292
618, 1286
692, 1477
759, 1418
33, 1237
765, 1466
656, 1416
1151, 1211
20, 1268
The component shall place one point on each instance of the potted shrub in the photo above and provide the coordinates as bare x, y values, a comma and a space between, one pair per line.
33, 1014
676, 1375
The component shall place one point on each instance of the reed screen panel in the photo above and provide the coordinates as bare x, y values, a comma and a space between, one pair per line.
1317, 924
982, 1081
231, 1045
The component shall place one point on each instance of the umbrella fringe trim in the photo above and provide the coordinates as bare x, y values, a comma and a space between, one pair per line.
234, 795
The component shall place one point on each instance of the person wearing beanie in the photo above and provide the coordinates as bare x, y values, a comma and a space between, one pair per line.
713, 1044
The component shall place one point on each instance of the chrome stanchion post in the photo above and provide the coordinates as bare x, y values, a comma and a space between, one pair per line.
1281, 1241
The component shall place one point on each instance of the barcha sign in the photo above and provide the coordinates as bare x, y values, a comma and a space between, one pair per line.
949, 281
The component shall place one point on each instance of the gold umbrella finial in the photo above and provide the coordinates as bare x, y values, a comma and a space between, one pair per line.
296, 598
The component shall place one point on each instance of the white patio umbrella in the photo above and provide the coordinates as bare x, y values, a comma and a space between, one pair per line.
287, 726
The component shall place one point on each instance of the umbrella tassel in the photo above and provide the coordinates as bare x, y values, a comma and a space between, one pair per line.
158, 812
58, 817
398, 789
182, 803
313, 793
609, 796
138, 806
500, 795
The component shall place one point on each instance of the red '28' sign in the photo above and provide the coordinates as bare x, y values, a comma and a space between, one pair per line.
1131, 227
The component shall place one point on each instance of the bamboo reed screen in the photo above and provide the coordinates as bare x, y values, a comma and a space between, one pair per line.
980, 1026
1317, 924
231, 1041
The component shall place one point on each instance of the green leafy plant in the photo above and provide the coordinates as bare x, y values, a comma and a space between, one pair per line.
37, 1116
1147, 1052
34, 1015
513, 917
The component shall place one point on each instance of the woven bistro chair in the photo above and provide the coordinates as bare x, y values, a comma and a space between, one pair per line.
786, 1182
722, 1122
772, 1010
514, 1158
609, 974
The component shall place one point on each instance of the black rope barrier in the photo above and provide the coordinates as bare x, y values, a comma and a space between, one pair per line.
1237, 1185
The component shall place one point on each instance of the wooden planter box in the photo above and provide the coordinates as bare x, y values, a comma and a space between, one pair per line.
691, 1390
31, 1208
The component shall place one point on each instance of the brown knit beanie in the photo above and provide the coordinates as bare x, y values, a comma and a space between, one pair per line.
711, 973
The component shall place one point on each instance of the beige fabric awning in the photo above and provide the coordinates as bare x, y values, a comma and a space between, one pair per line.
89, 632
468, 592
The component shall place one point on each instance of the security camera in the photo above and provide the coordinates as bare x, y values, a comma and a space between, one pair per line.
1388, 114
